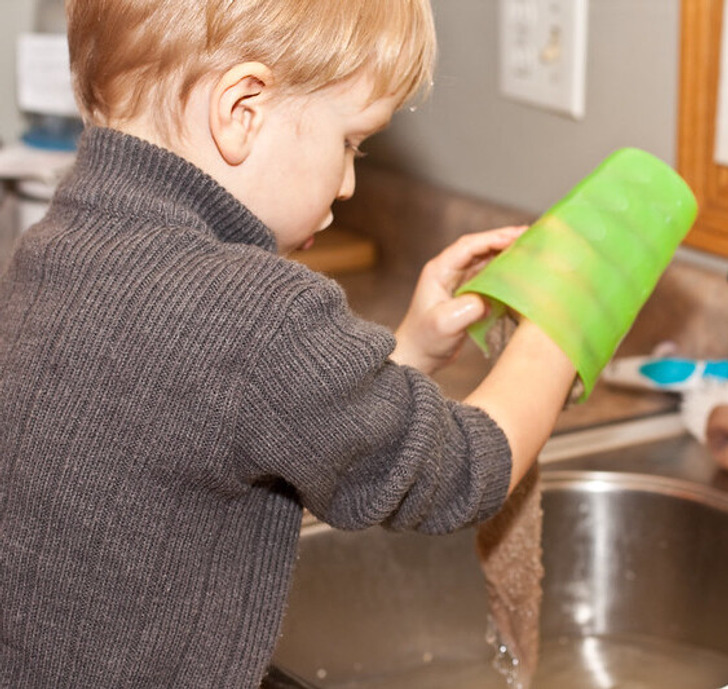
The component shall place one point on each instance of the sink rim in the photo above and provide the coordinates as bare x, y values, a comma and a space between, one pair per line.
613, 481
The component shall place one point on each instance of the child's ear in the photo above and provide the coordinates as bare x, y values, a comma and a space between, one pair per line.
237, 105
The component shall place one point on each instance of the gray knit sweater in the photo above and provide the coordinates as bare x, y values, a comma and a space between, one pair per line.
172, 393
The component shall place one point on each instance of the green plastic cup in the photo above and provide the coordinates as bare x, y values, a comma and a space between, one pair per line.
585, 268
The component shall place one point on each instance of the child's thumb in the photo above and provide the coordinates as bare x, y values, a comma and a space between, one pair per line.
461, 312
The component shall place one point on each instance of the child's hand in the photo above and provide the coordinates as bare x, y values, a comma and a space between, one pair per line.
433, 329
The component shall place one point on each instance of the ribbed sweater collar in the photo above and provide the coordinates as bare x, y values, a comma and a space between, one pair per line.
124, 175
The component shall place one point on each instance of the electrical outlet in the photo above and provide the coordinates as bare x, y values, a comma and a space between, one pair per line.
543, 53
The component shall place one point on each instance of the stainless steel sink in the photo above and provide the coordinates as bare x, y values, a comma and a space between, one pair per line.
635, 595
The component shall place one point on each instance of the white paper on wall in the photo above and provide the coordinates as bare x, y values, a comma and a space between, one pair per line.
44, 75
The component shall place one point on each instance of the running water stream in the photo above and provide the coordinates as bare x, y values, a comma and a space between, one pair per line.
509, 546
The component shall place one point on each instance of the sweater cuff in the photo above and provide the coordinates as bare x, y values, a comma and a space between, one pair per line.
493, 459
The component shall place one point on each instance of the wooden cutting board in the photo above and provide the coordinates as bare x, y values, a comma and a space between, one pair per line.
338, 250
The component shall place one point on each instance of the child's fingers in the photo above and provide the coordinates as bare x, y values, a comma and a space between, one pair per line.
459, 259
473, 247
477, 246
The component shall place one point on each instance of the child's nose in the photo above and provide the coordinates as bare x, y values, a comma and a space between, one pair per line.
348, 183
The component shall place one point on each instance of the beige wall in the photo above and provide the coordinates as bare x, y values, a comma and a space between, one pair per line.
470, 139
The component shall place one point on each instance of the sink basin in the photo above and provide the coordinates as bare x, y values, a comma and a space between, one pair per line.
635, 595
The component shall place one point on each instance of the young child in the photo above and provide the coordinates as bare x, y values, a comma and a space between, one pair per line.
174, 390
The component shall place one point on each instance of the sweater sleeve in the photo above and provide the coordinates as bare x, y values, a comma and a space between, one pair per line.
363, 440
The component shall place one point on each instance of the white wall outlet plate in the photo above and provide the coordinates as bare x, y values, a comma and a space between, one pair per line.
543, 48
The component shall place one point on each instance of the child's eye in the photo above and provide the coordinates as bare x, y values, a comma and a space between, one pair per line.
350, 145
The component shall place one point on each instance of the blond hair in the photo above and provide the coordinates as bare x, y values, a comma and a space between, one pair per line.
128, 56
